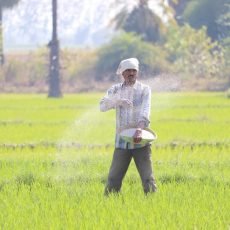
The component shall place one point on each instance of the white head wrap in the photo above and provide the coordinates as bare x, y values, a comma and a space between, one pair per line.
130, 63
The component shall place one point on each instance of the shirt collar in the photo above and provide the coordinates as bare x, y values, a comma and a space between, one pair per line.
133, 86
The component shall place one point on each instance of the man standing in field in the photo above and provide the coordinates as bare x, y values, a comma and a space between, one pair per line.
131, 100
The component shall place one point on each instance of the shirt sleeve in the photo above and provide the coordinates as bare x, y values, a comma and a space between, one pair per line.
109, 100
146, 106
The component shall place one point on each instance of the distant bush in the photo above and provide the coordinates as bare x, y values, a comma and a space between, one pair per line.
193, 53
77, 65
26, 68
29, 70
152, 57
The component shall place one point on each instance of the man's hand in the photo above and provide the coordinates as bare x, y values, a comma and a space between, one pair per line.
124, 103
137, 137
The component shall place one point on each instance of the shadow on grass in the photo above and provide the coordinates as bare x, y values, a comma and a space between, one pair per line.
186, 179
177, 178
25, 179
29, 179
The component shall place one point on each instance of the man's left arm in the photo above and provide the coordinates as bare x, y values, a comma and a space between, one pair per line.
143, 120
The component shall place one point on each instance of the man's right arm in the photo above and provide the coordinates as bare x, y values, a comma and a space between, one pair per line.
106, 104
112, 99
108, 101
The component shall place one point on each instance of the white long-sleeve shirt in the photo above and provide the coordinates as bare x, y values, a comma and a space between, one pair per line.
140, 96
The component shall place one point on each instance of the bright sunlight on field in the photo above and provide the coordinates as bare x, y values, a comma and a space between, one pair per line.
55, 155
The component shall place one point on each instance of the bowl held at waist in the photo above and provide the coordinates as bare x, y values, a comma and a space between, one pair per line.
147, 135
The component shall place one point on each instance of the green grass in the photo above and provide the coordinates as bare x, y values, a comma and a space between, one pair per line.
55, 155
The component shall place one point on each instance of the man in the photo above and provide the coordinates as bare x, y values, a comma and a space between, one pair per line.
131, 100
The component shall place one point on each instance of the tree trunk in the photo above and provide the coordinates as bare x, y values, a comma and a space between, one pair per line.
1, 39
54, 78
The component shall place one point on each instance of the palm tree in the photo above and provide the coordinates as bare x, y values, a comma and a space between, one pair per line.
4, 4
54, 78
142, 21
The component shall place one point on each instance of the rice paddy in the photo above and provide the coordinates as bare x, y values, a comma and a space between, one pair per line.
55, 156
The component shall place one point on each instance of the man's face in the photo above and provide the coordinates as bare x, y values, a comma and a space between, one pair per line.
130, 76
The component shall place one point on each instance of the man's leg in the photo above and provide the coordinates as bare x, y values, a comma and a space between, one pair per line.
118, 168
143, 161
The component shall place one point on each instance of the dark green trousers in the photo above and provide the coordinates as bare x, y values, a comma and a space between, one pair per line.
120, 164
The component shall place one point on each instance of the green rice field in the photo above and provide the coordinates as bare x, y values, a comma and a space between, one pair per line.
55, 155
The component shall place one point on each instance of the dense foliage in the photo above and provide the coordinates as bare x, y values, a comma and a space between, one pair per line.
186, 51
205, 13
153, 58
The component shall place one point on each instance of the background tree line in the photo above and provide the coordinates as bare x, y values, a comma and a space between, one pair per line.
193, 44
